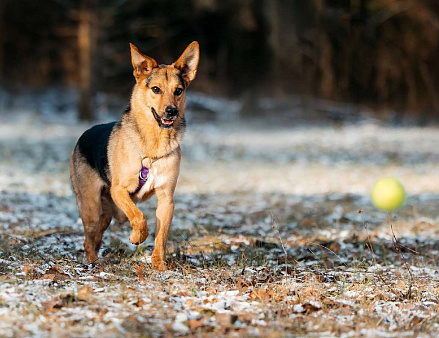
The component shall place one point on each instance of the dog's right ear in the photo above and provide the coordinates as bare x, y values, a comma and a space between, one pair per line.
142, 64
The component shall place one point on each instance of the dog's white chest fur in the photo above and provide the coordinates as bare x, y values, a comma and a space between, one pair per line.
159, 180
154, 180
149, 183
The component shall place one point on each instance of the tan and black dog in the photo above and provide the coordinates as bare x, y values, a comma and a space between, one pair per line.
116, 165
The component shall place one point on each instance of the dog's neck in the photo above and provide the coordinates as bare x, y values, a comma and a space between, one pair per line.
153, 141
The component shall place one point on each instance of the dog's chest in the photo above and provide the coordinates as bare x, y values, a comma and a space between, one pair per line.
155, 180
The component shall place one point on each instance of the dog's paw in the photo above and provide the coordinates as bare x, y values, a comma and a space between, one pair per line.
139, 236
140, 230
91, 257
158, 264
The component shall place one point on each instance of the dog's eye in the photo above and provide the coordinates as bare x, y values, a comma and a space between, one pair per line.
178, 91
156, 90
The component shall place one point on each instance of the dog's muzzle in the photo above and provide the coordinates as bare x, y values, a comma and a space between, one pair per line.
167, 121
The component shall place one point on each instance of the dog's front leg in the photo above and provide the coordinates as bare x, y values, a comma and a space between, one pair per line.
121, 197
164, 214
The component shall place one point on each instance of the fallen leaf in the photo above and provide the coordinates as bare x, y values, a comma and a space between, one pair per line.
416, 320
50, 276
55, 273
51, 305
329, 303
247, 317
259, 243
132, 323
259, 293
84, 293
58, 302
139, 272
195, 323
309, 307
225, 319
183, 294
28, 269
345, 310
140, 303
335, 247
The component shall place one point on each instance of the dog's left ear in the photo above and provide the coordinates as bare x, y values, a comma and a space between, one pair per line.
187, 63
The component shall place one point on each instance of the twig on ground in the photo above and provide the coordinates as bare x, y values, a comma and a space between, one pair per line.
331, 251
274, 226
369, 243
55, 231
397, 246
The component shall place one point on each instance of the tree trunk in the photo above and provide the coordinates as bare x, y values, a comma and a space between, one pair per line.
87, 47
2, 36
276, 45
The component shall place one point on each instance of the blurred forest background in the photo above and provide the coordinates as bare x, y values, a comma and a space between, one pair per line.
379, 53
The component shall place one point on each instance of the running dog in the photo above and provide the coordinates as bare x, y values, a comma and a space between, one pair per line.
116, 165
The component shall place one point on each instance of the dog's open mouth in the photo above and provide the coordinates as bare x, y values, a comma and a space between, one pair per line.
166, 122
163, 123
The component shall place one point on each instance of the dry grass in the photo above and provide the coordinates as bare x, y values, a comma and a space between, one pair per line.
250, 254
221, 283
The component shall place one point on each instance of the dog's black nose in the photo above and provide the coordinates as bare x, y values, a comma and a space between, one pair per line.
171, 111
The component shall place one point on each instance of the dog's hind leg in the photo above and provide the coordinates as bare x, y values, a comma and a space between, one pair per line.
90, 212
104, 221
105, 217
88, 189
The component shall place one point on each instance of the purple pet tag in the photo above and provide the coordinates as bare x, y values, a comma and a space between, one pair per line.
143, 174
143, 177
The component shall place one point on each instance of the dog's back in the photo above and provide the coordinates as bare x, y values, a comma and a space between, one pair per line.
93, 147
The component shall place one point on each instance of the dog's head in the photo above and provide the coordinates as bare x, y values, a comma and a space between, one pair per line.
160, 90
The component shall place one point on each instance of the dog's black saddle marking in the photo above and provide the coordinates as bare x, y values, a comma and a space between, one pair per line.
93, 145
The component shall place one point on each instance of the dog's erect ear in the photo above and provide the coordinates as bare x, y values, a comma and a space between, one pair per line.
142, 64
188, 62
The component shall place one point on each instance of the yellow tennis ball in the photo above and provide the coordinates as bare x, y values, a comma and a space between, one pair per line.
388, 194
